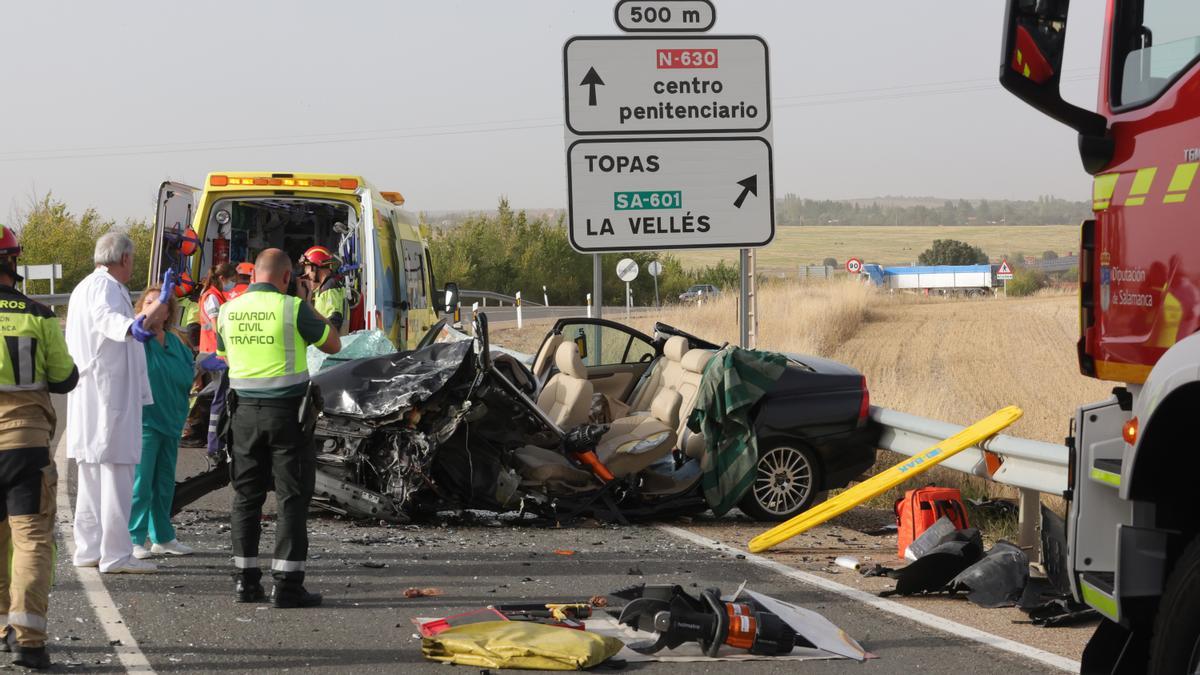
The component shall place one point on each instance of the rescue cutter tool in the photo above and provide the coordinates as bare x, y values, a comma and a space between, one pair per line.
675, 617
880, 483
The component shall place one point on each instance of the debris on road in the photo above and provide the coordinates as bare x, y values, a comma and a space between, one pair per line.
411, 593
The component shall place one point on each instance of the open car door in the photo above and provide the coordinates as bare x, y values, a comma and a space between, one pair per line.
616, 356
176, 207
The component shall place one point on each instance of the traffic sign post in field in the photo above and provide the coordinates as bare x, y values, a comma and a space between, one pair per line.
627, 195
623, 85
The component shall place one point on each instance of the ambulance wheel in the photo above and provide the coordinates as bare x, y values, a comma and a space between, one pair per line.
1175, 647
785, 484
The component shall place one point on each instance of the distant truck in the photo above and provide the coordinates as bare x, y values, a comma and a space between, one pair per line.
969, 280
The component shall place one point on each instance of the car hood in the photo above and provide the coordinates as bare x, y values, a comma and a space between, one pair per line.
820, 365
382, 386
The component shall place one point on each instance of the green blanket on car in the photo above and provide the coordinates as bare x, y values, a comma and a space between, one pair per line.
734, 381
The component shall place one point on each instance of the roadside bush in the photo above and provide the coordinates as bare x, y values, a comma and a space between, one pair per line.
830, 262
952, 252
1049, 255
50, 233
1026, 281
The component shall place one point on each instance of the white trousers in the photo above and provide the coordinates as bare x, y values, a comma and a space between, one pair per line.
102, 514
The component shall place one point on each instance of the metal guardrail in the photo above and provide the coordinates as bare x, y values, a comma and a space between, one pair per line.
1030, 465
500, 298
52, 300
1061, 264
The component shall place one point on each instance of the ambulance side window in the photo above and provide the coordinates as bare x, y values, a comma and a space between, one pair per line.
414, 274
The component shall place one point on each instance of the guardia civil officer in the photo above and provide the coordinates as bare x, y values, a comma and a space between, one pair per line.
34, 363
263, 335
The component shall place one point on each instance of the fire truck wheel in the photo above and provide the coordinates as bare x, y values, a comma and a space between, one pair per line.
1175, 647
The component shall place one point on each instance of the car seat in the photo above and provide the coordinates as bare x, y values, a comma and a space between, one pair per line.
567, 397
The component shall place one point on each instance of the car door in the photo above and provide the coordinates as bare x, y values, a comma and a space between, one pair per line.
176, 207
616, 356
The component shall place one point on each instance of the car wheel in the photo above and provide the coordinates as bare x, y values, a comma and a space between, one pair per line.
786, 483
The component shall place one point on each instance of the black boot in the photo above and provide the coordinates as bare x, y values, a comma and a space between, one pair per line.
291, 597
31, 657
10, 639
248, 586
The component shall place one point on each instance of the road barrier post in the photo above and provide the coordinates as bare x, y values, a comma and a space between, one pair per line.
545, 297
589, 305
518, 305
1028, 518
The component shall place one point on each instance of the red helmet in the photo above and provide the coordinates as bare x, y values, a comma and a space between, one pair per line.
189, 242
9, 246
245, 268
185, 286
318, 256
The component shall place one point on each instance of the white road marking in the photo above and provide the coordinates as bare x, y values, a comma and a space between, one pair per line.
890, 606
128, 651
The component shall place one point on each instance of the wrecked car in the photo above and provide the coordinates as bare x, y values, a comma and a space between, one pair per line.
595, 424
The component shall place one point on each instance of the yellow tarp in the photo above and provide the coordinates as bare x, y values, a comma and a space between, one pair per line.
519, 644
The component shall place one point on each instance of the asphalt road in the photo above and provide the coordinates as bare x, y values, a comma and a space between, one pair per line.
184, 619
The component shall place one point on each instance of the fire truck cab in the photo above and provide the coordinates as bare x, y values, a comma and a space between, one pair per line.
385, 264
1133, 550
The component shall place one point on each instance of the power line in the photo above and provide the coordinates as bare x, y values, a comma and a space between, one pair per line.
806, 100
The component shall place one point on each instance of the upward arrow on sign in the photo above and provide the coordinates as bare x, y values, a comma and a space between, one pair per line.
591, 80
749, 186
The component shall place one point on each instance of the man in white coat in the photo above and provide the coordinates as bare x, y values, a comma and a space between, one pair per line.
104, 412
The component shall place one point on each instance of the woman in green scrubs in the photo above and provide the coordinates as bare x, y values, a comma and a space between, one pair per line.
169, 364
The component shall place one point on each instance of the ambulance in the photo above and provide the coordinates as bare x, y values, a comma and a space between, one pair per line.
385, 264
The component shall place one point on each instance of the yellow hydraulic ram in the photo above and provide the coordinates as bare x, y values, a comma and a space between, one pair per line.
880, 483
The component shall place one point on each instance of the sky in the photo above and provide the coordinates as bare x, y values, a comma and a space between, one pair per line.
457, 102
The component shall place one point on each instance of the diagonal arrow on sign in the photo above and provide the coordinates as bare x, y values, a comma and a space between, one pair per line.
749, 186
591, 80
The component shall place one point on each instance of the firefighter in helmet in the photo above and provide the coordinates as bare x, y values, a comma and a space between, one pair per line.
34, 363
321, 284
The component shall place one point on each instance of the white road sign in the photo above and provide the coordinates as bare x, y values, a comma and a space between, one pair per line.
663, 193
627, 269
665, 16
638, 84
654, 268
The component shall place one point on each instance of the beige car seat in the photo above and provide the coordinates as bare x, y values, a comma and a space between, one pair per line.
693, 364
567, 397
665, 376
545, 356
635, 442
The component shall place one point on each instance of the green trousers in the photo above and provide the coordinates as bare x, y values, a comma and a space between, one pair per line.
154, 489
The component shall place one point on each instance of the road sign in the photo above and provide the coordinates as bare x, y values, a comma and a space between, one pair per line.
650, 194
654, 268
665, 16
854, 266
1005, 272
637, 84
627, 269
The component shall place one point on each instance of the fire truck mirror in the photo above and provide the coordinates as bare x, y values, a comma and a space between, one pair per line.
1034, 44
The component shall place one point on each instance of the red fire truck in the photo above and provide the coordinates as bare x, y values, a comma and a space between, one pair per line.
1132, 547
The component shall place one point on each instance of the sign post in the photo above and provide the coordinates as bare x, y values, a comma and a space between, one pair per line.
1004, 274
627, 271
655, 269
668, 136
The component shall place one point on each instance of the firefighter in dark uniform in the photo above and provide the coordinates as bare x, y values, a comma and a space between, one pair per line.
34, 363
263, 335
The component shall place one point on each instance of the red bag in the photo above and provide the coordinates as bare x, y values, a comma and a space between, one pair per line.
920, 508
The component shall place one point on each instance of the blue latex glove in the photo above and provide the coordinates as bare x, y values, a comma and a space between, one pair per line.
213, 363
168, 285
139, 332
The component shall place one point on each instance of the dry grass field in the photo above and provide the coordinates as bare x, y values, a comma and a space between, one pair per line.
809, 245
954, 360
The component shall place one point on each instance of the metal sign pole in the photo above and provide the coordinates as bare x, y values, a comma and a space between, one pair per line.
656, 303
744, 299
597, 285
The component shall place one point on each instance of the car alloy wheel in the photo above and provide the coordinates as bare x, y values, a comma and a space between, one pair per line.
784, 481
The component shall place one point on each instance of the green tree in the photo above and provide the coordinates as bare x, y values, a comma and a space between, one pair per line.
952, 252
830, 262
1049, 255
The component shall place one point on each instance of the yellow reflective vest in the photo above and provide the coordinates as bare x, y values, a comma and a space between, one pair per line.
261, 341
34, 362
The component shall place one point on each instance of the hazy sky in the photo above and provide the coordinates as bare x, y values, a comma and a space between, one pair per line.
456, 102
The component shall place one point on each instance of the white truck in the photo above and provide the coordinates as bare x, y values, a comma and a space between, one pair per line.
970, 280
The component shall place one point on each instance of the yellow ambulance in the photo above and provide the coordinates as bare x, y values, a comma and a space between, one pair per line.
385, 263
